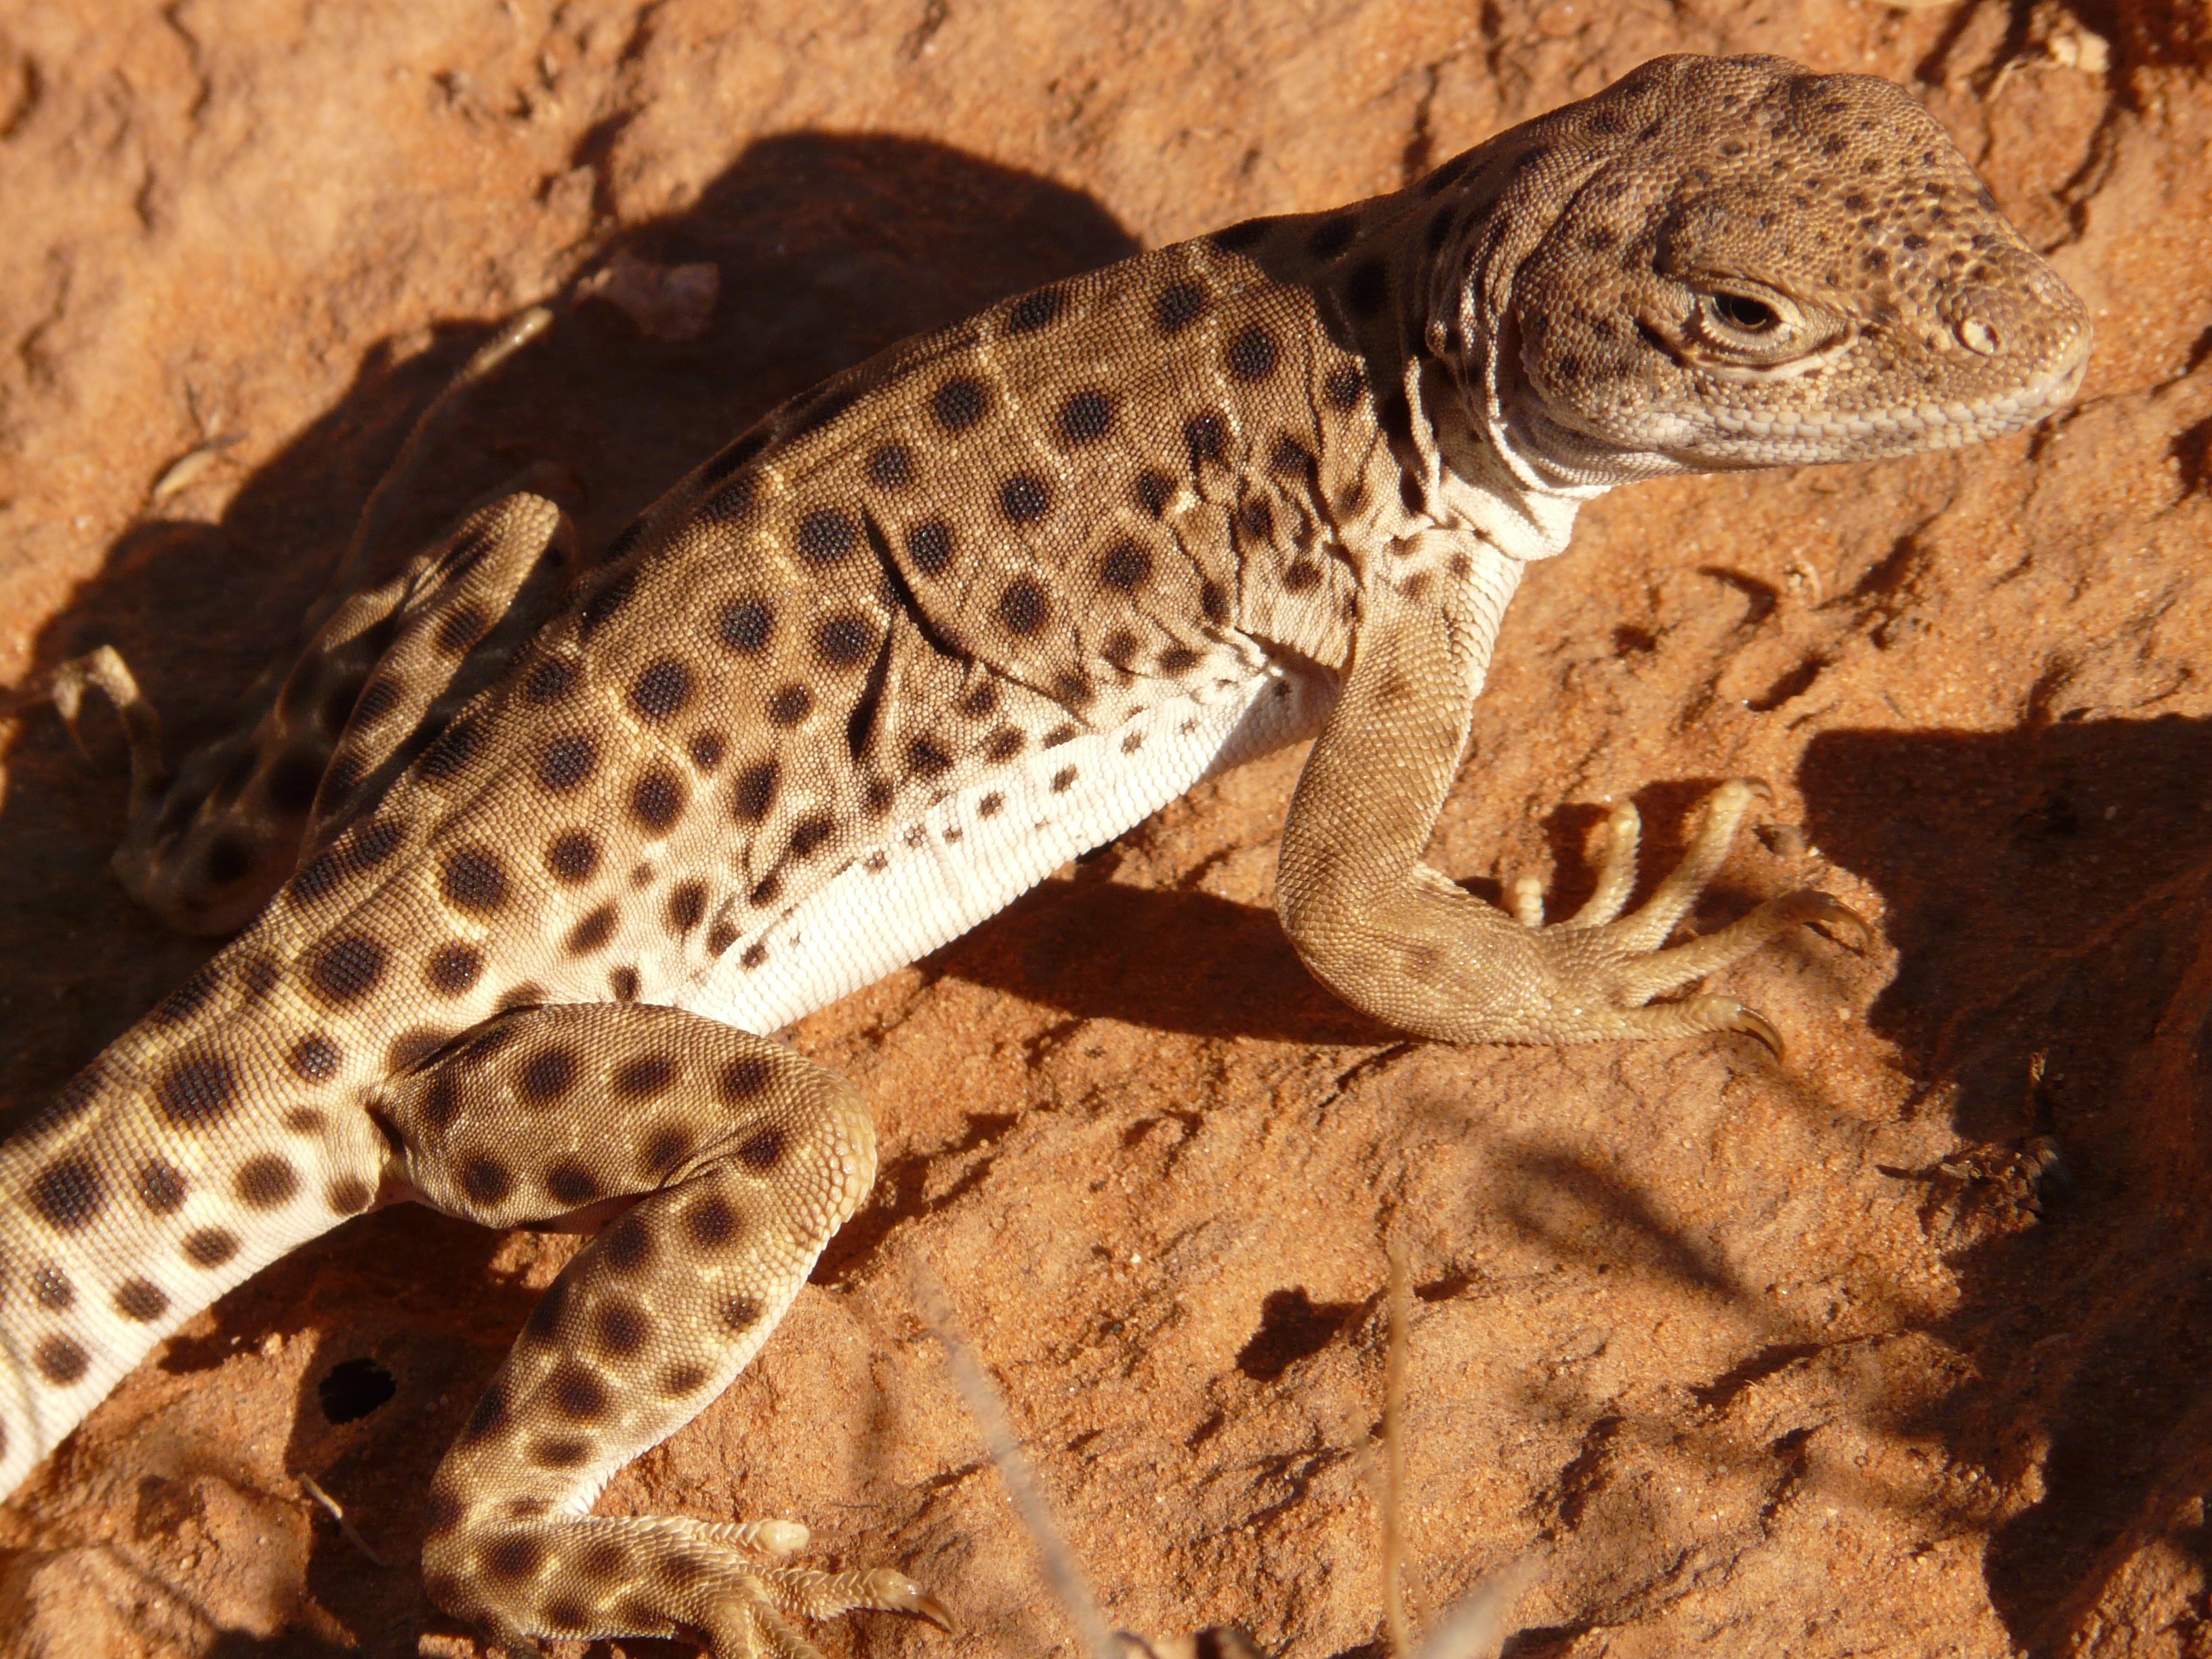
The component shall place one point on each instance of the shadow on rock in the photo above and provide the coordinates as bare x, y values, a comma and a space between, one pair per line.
1163, 958
830, 248
2048, 889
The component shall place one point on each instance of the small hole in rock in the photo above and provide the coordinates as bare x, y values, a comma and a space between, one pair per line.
354, 1389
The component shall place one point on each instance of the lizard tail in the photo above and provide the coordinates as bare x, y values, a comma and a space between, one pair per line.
192, 1153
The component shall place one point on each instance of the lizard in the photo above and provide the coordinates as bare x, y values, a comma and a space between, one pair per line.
532, 854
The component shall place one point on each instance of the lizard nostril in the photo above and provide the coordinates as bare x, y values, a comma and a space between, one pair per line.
1978, 335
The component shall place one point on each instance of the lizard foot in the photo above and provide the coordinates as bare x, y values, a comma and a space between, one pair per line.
697, 1581
1618, 963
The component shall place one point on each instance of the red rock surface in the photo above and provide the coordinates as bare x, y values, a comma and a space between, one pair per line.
1823, 1358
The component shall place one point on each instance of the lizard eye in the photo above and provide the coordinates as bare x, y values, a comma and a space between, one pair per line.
1741, 329
1741, 310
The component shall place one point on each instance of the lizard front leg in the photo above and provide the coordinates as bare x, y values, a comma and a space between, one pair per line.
748, 1159
1395, 937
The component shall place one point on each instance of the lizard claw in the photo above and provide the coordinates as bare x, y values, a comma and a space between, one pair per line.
1834, 913
1752, 1022
909, 1597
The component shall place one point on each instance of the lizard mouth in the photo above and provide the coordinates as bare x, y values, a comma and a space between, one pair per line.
1929, 424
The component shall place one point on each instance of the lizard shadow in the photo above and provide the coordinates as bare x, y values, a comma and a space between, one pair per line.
2048, 891
1167, 959
829, 246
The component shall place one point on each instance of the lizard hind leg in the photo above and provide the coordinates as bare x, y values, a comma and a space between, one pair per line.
748, 1158
205, 846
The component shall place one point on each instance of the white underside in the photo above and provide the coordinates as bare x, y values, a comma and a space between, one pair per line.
942, 874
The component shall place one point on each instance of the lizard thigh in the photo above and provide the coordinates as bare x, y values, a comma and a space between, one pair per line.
748, 1158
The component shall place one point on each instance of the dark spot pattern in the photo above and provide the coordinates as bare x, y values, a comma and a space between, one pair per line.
52, 1289
445, 758
188, 999
1252, 355
314, 1058
891, 467
547, 1075
608, 603
666, 1150
1024, 498
579, 1394
553, 680
485, 1179
929, 544
687, 907
266, 1182
763, 1149
61, 1360
1086, 416
1177, 306
620, 1326
657, 798
516, 1555
568, 763
593, 932
197, 1090
959, 402
1154, 490
745, 625
70, 1193
570, 1183
572, 855
210, 1247
706, 749
141, 1300
474, 879
645, 1076
348, 969
348, 1195
843, 640
1343, 385
1207, 437
1023, 606
1035, 311
660, 693
454, 968
755, 792
1248, 233
711, 1222
745, 1078
787, 705
827, 536
161, 1187
808, 835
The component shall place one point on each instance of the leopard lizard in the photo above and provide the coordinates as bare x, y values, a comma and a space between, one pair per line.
526, 867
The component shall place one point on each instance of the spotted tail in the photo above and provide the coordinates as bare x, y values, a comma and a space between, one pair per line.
181, 1163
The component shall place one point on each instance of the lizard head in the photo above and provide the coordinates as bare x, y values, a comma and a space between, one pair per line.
1744, 263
